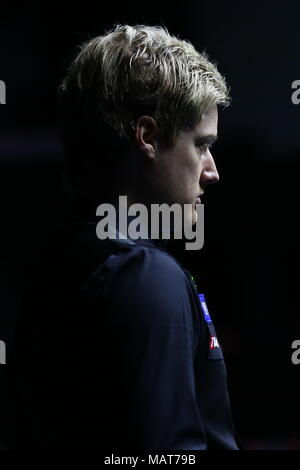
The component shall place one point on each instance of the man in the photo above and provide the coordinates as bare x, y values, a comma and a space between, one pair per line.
121, 352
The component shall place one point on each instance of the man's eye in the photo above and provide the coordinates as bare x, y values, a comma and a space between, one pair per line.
204, 147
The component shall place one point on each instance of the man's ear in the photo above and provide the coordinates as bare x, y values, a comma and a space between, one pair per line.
146, 135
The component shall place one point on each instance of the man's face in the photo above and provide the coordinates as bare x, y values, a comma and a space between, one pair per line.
183, 170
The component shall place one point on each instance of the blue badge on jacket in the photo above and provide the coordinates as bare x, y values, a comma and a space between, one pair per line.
204, 308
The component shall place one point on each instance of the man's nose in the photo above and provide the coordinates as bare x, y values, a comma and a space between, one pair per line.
209, 173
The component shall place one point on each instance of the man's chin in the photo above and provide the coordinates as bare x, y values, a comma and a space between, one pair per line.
190, 215
194, 217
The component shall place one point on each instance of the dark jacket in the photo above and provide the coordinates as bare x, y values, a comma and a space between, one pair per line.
116, 351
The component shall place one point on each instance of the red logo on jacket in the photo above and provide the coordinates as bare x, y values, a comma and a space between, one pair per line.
213, 342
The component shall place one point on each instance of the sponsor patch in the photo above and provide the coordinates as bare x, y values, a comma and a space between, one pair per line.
214, 348
204, 309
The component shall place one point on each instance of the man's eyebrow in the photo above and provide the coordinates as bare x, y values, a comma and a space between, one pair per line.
207, 139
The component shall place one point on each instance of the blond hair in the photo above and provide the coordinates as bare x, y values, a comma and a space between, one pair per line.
132, 71
143, 69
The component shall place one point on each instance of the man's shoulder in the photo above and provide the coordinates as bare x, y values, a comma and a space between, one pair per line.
147, 258
136, 265
144, 286
75, 252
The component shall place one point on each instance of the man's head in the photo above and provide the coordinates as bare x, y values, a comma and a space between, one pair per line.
136, 107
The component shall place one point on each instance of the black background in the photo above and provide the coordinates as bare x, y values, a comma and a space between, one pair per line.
249, 264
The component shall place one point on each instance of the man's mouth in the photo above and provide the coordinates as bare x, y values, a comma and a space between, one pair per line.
198, 198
